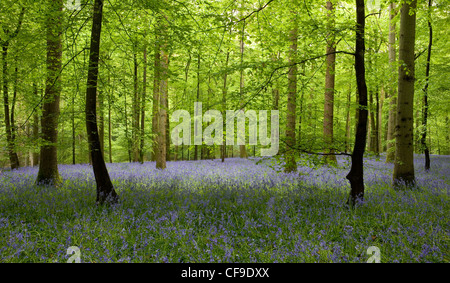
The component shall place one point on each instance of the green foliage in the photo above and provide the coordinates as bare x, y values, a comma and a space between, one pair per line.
211, 29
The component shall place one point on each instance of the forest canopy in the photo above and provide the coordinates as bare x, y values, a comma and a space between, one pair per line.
246, 42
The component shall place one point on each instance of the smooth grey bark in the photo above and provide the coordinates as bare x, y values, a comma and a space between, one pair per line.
404, 144
48, 164
391, 94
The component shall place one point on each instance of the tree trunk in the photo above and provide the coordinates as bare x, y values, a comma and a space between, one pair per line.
28, 156
356, 174
163, 93
48, 165
35, 156
377, 123
167, 121
198, 100
447, 137
186, 77
143, 107
425, 96
209, 149
224, 108
73, 127
275, 89
404, 144
242, 148
330, 76
347, 120
291, 165
4, 43
109, 123
105, 189
380, 119
392, 92
13, 158
373, 132
13, 111
101, 123
300, 116
127, 132
156, 82
135, 128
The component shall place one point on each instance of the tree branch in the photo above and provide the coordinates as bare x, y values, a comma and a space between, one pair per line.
420, 53
254, 12
316, 153
290, 66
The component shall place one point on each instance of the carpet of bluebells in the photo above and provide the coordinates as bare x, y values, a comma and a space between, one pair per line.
239, 211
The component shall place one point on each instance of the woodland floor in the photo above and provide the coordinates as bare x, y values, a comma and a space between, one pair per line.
237, 211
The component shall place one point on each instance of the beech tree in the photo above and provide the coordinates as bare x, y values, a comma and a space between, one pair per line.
291, 165
163, 75
391, 93
329, 86
156, 90
356, 174
242, 148
404, 145
423, 140
5, 43
224, 107
143, 108
48, 164
105, 189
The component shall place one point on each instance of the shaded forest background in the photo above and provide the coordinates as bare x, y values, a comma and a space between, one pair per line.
226, 54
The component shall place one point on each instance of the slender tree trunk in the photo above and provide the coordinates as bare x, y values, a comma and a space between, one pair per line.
198, 100
425, 96
347, 120
167, 120
143, 107
48, 165
275, 89
380, 120
109, 122
135, 128
377, 123
28, 156
291, 165
224, 108
392, 92
156, 82
35, 156
13, 158
127, 132
447, 137
186, 77
4, 43
328, 119
101, 123
373, 132
356, 174
13, 110
404, 144
163, 93
300, 116
242, 148
105, 189
175, 150
73, 128
209, 149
